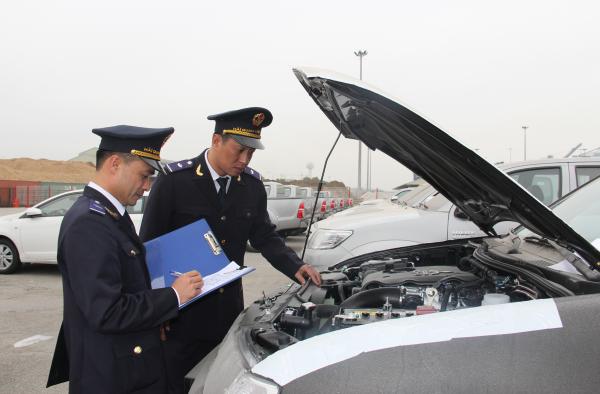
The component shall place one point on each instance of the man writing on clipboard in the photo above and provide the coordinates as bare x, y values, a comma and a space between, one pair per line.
218, 186
109, 341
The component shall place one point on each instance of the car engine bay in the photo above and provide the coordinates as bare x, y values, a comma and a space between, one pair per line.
414, 281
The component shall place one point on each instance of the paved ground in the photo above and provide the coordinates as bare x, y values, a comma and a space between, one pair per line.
31, 304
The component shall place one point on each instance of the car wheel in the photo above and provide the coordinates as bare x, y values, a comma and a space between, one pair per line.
9, 257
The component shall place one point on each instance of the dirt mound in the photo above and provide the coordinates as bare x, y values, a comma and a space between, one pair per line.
43, 170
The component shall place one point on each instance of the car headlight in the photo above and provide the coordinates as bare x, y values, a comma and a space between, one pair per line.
248, 383
328, 239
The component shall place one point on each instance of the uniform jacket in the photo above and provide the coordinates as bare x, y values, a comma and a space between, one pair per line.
189, 194
109, 340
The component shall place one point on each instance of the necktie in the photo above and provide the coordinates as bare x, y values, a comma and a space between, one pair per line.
222, 190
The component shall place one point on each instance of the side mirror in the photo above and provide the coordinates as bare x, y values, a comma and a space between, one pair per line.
459, 214
394, 199
33, 212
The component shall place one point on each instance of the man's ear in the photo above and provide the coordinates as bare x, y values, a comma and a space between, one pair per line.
113, 163
217, 140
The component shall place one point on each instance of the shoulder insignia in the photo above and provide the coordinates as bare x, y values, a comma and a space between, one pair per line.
178, 166
98, 208
252, 173
112, 213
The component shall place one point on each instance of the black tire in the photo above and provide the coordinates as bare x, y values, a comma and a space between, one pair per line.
9, 257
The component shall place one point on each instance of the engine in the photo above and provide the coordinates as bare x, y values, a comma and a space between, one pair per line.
396, 289
399, 284
379, 290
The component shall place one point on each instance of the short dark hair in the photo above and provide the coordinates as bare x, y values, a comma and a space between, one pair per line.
225, 137
102, 155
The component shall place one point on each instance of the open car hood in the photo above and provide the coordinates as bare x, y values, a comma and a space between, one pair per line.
478, 188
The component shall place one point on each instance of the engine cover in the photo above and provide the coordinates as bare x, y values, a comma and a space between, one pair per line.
420, 276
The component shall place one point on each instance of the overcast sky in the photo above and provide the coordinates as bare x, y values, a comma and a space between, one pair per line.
479, 70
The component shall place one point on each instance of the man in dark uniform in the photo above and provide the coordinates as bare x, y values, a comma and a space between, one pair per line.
109, 341
218, 186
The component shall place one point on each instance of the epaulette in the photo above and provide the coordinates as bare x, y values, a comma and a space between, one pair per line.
98, 208
178, 166
252, 172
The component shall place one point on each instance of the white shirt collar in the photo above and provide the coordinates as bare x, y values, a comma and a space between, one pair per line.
109, 196
214, 174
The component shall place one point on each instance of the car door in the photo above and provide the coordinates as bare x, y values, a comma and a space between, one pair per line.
39, 234
287, 209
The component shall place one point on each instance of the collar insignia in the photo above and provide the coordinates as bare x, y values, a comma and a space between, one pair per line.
114, 215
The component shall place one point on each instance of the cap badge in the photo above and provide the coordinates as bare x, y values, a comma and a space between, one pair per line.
258, 119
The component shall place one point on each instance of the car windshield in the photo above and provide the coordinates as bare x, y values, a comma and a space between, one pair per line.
402, 193
415, 196
436, 202
580, 210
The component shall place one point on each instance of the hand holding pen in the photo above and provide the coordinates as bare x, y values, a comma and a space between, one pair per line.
187, 285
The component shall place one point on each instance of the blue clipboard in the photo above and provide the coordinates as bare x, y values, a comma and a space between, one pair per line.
192, 247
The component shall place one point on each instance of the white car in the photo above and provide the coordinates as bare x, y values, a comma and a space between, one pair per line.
512, 314
32, 236
431, 217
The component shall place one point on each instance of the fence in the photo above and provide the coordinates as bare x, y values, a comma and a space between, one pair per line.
28, 195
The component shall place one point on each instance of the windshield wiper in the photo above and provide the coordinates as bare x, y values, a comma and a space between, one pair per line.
577, 262
422, 205
537, 240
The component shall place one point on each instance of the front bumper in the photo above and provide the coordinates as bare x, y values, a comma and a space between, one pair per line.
228, 366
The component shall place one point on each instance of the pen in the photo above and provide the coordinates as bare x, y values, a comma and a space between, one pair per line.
175, 273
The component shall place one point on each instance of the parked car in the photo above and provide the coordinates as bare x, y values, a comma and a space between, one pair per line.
32, 236
323, 204
396, 198
494, 314
431, 217
286, 205
320, 207
307, 204
417, 195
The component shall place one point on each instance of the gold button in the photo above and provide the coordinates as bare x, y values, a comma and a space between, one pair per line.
221, 290
137, 350
223, 242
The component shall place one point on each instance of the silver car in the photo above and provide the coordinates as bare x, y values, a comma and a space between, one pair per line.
495, 314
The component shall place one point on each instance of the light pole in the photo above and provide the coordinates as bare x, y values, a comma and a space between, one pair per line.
361, 54
524, 141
